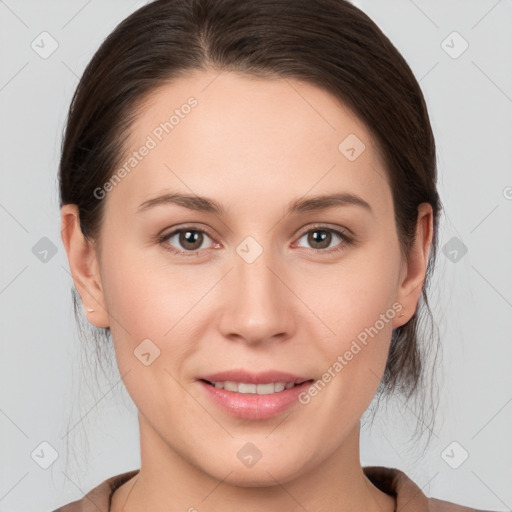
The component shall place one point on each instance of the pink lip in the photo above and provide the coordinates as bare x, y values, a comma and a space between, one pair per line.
251, 405
254, 378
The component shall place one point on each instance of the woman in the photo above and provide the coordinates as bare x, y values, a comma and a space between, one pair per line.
249, 208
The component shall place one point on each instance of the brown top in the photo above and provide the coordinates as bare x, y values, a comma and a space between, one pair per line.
392, 481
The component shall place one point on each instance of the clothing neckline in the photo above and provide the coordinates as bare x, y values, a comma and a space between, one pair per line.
408, 496
391, 481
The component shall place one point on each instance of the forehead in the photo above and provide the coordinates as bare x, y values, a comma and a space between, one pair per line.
241, 138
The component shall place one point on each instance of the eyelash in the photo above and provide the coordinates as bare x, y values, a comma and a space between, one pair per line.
346, 240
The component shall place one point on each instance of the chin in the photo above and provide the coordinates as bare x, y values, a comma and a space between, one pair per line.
263, 473
260, 479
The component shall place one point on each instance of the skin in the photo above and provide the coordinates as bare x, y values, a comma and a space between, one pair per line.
253, 145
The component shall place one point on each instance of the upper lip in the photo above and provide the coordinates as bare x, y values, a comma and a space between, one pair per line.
240, 375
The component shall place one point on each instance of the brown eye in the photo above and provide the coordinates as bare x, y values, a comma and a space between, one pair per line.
191, 239
184, 240
319, 238
324, 240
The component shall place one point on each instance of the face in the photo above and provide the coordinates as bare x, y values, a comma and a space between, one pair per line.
251, 272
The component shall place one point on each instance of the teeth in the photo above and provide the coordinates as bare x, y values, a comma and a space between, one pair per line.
251, 388
260, 389
230, 386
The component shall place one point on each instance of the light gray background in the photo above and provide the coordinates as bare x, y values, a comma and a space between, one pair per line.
45, 398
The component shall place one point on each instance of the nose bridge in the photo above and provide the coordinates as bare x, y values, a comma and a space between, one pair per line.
259, 304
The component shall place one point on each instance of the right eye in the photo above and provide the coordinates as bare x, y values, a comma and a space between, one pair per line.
190, 239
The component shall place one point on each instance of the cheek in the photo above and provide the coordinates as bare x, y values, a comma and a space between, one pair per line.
358, 305
351, 295
142, 294
143, 307
149, 300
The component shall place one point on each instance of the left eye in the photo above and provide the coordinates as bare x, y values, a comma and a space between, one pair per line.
321, 238
188, 239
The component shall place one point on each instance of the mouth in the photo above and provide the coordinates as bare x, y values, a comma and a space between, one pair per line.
253, 396
264, 388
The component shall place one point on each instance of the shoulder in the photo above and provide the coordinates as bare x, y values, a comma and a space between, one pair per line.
98, 498
436, 505
409, 497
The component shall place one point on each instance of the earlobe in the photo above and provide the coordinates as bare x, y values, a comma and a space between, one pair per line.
411, 284
83, 265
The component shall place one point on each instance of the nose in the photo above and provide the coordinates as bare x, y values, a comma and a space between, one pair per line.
258, 303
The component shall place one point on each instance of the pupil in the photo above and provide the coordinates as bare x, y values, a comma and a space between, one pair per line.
323, 239
190, 237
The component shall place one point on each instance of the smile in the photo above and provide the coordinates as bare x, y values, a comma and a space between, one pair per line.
248, 388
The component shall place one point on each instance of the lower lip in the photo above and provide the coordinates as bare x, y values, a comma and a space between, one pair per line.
252, 406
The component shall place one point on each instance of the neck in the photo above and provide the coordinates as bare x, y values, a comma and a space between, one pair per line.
166, 481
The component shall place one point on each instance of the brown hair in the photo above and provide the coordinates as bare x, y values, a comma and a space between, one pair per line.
328, 43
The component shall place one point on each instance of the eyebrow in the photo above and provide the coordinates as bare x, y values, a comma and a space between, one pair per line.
204, 204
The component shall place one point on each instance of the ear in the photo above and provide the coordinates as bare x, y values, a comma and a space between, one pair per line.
414, 270
84, 266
